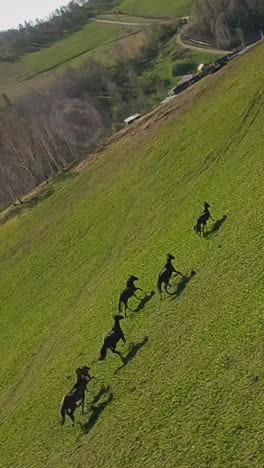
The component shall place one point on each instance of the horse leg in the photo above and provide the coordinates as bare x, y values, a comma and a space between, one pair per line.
71, 410
138, 289
168, 282
160, 292
179, 273
166, 286
72, 416
113, 349
83, 401
127, 308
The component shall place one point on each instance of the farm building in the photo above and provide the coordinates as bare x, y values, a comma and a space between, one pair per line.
185, 79
131, 119
200, 67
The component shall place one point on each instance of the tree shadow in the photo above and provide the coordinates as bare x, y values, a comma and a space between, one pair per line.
216, 226
68, 174
12, 212
135, 348
97, 410
144, 301
27, 204
42, 196
182, 285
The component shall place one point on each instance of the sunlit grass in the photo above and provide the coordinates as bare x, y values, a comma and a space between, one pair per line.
193, 393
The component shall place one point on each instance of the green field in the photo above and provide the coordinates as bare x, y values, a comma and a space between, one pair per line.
191, 392
73, 50
128, 18
156, 8
89, 38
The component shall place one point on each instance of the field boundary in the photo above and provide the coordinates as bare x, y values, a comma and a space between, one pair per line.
53, 67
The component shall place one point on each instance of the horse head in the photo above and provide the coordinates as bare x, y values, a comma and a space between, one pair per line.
83, 372
132, 278
170, 257
118, 317
206, 205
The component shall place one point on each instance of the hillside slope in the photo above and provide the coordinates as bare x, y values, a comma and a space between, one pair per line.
190, 389
156, 8
28, 71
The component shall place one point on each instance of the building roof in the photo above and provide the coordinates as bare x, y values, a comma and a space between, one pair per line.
132, 118
184, 79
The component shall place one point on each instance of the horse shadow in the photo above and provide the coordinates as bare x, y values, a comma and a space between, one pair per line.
96, 411
182, 285
131, 354
103, 391
216, 226
67, 174
144, 301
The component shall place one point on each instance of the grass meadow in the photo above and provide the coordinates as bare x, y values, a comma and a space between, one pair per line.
189, 390
156, 8
32, 69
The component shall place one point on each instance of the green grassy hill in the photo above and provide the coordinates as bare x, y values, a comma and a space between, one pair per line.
156, 8
71, 51
191, 392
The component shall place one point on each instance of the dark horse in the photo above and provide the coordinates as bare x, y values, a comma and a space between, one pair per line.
77, 393
202, 220
112, 338
127, 293
166, 273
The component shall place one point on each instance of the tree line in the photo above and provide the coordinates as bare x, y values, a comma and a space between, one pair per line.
48, 129
33, 35
227, 23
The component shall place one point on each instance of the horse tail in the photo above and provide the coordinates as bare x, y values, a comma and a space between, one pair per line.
63, 412
102, 353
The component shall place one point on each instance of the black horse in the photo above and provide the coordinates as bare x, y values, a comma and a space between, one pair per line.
128, 292
165, 275
202, 220
112, 338
70, 401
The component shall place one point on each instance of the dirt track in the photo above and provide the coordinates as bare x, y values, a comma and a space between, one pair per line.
126, 23
199, 48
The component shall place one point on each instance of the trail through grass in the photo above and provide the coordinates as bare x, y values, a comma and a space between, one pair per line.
189, 391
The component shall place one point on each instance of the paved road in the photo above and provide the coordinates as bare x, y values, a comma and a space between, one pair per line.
200, 48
